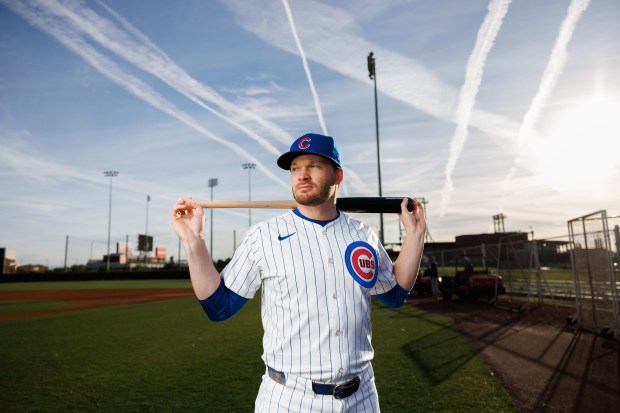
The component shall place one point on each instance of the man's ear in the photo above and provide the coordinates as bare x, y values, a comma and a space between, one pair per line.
339, 176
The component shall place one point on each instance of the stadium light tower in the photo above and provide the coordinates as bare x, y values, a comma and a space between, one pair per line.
212, 183
109, 174
148, 199
146, 232
249, 167
373, 75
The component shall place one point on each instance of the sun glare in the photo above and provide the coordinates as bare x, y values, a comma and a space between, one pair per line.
582, 150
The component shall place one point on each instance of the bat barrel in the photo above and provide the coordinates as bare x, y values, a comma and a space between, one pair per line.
373, 204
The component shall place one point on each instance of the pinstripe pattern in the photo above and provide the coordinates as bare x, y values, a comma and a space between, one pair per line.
316, 317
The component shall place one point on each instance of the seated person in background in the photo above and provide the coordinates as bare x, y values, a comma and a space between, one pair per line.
468, 265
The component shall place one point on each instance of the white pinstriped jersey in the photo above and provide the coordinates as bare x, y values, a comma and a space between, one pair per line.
315, 315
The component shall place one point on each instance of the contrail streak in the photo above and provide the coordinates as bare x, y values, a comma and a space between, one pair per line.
146, 56
317, 103
71, 39
337, 45
551, 74
554, 68
487, 33
135, 32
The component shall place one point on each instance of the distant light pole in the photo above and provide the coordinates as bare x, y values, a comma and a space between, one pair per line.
212, 183
146, 232
179, 256
249, 167
110, 174
66, 251
373, 75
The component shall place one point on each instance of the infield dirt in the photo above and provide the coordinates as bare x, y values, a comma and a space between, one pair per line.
79, 300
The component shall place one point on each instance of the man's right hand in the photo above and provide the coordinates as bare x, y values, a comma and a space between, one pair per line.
188, 219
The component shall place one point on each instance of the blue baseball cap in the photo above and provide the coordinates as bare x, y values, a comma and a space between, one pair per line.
311, 144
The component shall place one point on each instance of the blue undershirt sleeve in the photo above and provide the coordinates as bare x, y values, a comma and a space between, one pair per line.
395, 297
222, 304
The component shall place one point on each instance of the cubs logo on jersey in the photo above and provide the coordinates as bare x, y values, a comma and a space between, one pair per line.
361, 260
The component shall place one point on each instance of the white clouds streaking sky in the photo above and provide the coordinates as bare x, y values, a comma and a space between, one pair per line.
467, 98
170, 95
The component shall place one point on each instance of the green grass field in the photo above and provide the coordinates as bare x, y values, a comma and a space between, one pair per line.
168, 357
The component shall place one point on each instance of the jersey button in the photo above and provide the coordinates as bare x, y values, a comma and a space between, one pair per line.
335, 296
338, 333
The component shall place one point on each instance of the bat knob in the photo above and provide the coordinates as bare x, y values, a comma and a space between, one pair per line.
410, 205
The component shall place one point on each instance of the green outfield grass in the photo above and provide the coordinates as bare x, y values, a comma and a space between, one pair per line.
167, 357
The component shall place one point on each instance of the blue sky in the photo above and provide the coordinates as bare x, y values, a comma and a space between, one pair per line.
485, 107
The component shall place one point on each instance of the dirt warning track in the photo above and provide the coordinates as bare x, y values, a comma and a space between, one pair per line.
545, 365
79, 300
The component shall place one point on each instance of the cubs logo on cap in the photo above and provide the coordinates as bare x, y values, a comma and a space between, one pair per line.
361, 261
314, 144
304, 143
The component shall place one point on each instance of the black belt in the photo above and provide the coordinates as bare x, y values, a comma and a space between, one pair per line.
339, 391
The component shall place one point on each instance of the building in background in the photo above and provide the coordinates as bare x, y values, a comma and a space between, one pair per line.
7, 259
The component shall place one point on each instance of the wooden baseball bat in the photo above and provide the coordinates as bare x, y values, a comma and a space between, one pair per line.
354, 204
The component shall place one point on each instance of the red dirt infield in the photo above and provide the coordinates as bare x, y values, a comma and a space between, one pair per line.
79, 300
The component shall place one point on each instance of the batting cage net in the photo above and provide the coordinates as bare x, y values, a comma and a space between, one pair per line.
595, 271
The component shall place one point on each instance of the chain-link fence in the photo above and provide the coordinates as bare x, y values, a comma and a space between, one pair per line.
507, 266
579, 269
595, 271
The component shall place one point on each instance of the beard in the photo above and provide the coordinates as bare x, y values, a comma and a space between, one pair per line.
315, 197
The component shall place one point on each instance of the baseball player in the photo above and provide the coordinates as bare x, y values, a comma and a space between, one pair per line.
317, 269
